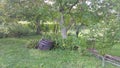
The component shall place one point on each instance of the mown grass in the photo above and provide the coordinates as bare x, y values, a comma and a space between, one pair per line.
14, 54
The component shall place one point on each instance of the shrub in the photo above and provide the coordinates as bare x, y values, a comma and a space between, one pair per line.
18, 30
71, 43
106, 35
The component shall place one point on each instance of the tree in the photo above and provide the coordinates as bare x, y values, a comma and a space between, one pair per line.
71, 12
33, 11
64, 8
106, 31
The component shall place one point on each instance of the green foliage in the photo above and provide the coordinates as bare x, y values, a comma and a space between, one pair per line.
84, 46
106, 35
59, 42
3, 31
50, 27
32, 44
70, 43
17, 30
28, 10
102, 12
13, 49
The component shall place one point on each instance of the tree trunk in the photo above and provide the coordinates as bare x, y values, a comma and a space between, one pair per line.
38, 27
77, 30
63, 28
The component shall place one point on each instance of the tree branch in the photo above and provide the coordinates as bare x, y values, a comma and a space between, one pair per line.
70, 8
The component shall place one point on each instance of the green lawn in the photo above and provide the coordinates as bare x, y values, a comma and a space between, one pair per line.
14, 54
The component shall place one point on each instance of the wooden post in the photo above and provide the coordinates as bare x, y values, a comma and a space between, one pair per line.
103, 61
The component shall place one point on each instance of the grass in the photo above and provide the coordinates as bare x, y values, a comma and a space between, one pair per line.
115, 51
14, 54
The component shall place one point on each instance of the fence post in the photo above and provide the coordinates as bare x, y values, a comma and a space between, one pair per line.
103, 61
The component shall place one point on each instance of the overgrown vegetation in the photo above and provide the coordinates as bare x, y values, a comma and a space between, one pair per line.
14, 50
17, 30
74, 26
14, 30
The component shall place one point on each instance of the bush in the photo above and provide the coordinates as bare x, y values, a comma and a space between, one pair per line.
106, 35
71, 43
18, 30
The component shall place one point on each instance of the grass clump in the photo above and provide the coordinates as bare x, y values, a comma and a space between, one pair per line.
32, 43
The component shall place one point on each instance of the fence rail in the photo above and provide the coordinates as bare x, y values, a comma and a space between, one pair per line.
114, 60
